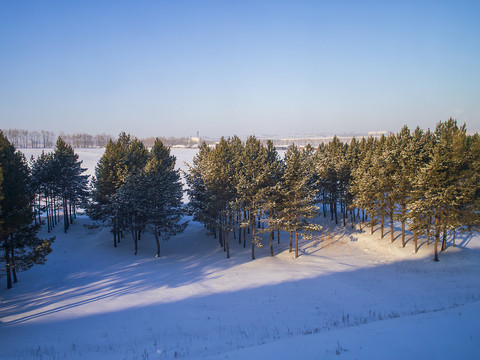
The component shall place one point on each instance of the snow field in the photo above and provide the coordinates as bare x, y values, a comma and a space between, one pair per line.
349, 294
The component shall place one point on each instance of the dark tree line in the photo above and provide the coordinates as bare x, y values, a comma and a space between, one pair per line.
136, 191
20, 247
427, 181
49, 189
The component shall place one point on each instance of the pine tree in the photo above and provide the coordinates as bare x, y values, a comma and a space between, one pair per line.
71, 184
18, 235
299, 192
164, 194
110, 174
444, 185
364, 182
352, 157
197, 190
272, 194
252, 180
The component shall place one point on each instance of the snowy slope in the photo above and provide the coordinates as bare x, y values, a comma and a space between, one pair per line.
349, 294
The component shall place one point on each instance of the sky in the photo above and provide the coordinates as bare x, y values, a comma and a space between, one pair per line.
172, 68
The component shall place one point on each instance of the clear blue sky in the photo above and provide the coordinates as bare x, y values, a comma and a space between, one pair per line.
171, 68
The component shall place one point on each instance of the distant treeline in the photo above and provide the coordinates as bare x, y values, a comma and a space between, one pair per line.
22, 139
46, 139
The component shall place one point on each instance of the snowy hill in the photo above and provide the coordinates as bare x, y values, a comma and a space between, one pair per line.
349, 295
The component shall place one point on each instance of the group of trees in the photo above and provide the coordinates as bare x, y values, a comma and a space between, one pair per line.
136, 190
58, 185
46, 139
427, 181
20, 138
51, 187
239, 186
19, 245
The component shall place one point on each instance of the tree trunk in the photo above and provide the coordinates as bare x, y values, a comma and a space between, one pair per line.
382, 223
7, 264
291, 235
272, 236
453, 239
226, 244
135, 239
335, 210
296, 244
278, 236
65, 216
157, 241
14, 271
253, 235
437, 238
253, 241
415, 239
392, 235
404, 212
47, 213
429, 221
444, 242
244, 238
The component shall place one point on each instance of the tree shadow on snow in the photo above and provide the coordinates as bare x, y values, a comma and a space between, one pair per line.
226, 320
188, 258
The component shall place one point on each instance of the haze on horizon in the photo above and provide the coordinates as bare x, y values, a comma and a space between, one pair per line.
254, 67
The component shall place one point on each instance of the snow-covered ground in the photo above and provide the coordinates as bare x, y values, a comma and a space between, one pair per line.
349, 295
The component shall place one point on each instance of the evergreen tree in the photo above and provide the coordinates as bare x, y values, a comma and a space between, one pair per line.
298, 190
445, 186
71, 184
164, 194
197, 190
252, 180
272, 194
364, 182
21, 248
110, 174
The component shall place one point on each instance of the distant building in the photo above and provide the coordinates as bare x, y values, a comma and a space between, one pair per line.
195, 140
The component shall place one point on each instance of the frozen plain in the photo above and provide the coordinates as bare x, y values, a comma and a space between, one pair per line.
349, 295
